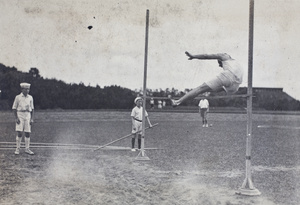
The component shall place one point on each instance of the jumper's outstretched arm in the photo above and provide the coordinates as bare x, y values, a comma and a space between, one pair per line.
218, 56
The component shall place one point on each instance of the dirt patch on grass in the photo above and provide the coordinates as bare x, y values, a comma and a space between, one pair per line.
84, 177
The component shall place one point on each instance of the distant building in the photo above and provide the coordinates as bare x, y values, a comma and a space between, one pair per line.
261, 89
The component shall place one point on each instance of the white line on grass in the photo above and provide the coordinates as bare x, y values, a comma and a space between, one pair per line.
278, 126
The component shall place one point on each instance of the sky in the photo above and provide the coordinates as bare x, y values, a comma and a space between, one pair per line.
53, 36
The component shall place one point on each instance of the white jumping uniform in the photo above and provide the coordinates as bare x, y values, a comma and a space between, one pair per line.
230, 79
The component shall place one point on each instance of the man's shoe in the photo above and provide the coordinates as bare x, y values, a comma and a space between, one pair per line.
206, 125
28, 151
17, 151
133, 149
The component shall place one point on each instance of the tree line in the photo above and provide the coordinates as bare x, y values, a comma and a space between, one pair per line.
56, 94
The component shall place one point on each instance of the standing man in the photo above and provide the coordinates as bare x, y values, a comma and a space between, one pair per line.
159, 106
152, 103
137, 119
24, 113
203, 109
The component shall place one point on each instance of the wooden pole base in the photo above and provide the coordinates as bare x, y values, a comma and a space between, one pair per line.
248, 188
248, 192
142, 156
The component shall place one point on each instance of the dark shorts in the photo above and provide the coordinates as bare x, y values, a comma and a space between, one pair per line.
203, 112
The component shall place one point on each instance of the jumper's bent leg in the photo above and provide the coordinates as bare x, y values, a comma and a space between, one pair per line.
192, 94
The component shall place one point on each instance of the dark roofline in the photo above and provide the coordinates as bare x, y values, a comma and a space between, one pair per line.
264, 88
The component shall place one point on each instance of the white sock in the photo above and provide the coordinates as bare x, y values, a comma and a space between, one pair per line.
27, 142
18, 141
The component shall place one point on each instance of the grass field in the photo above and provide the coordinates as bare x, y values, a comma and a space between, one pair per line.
193, 165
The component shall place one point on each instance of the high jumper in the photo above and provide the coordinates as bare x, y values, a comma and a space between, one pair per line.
228, 80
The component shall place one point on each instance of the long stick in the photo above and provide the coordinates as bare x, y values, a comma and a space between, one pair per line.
123, 137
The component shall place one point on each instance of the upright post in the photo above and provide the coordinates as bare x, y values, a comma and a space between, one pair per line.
247, 187
142, 155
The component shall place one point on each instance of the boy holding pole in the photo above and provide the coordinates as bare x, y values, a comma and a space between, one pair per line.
136, 119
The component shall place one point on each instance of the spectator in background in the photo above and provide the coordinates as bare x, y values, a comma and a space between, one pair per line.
203, 109
159, 104
152, 103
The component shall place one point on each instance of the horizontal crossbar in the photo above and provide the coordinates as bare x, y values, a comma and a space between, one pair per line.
202, 96
158, 98
223, 96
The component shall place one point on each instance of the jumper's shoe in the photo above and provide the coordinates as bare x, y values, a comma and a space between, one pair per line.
133, 149
28, 151
17, 151
174, 104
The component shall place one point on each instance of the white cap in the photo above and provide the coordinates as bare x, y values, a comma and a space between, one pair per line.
136, 99
25, 85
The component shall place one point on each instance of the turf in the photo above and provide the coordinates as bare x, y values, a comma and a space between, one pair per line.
213, 155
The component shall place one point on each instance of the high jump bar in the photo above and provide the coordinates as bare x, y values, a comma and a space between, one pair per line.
225, 96
207, 97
